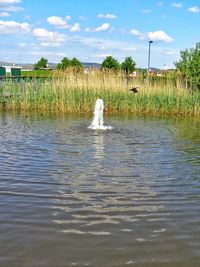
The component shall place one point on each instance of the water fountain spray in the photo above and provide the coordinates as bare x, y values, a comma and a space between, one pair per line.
97, 123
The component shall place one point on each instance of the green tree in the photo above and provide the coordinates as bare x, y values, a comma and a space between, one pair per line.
42, 63
128, 65
110, 63
189, 66
75, 63
65, 62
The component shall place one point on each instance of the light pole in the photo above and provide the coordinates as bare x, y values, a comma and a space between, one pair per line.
149, 56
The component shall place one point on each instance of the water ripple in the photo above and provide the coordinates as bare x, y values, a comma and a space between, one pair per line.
76, 197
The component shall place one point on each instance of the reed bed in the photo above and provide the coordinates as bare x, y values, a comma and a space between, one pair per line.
74, 91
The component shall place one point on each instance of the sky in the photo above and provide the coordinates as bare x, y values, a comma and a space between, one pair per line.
90, 30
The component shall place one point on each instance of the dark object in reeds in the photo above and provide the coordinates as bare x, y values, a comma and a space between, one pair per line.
134, 90
7, 95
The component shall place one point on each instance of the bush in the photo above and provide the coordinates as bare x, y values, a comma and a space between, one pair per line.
42, 63
189, 66
110, 63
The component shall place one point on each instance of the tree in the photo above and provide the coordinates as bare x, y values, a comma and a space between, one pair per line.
42, 63
65, 62
189, 66
75, 63
110, 63
128, 65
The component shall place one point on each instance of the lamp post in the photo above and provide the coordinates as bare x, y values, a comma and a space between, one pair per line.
149, 56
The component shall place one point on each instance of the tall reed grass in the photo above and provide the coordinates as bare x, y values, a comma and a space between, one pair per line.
73, 91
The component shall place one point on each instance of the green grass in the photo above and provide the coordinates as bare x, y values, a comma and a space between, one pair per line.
73, 92
37, 73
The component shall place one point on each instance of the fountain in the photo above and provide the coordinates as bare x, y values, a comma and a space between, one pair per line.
97, 123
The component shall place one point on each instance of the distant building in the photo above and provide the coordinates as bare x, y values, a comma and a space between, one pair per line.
13, 70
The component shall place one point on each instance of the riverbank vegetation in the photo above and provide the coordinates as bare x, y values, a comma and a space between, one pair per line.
74, 91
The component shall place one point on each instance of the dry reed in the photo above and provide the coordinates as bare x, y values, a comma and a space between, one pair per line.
74, 91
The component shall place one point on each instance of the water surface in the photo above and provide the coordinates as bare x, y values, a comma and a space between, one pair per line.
71, 196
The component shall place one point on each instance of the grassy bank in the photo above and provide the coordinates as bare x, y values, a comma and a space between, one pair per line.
37, 73
75, 92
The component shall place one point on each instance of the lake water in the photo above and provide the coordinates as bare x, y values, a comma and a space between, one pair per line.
72, 196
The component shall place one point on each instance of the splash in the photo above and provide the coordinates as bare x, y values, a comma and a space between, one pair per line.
98, 123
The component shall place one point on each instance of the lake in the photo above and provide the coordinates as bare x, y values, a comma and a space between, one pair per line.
72, 196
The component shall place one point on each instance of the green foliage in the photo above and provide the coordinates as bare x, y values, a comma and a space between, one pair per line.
58, 96
75, 63
128, 65
73, 91
37, 73
110, 63
42, 63
189, 66
65, 63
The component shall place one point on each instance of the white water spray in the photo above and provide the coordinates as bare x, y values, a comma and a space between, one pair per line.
97, 123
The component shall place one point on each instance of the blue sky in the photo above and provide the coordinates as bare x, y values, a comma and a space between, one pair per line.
92, 29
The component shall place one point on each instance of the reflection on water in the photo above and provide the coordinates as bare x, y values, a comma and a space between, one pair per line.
98, 145
71, 196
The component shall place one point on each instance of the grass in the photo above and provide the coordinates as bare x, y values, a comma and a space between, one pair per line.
37, 73
76, 92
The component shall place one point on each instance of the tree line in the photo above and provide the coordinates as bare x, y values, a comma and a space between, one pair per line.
128, 65
188, 67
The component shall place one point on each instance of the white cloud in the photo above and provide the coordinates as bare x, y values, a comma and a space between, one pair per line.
38, 53
107, 16
8, 2
177, 5
194, 9
104, 45
57, 22
103, 27
138, 34
9, 5
7, 27
68, 17
12, 8
88, 29
48, 38
4, 14
75, 27
159, 36
24, 45
135, 32
50, 44
154, 36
